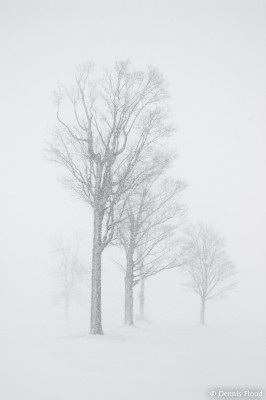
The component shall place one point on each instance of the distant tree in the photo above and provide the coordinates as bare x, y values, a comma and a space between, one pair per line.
106, 125
152, 214
69, 272
206, 264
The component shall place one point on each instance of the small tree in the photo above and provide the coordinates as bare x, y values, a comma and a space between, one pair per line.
206, 264
69, 272
106, 124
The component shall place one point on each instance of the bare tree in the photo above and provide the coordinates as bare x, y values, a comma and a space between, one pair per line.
207, 265
69, 271
105, 127
147, 234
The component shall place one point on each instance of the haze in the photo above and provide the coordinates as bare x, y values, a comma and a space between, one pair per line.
213, 55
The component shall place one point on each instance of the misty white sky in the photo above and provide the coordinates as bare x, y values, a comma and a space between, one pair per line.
212, 53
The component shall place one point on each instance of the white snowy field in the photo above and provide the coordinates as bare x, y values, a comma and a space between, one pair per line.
146, 362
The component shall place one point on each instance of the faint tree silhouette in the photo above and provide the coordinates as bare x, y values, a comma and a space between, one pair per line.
206, 264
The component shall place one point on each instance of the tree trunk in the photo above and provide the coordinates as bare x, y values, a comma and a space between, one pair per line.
96, 295
141, 300
129, 289
141, 296
202, 312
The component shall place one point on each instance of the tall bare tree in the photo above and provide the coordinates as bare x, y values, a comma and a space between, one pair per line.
152, 213
106, 124
206, 264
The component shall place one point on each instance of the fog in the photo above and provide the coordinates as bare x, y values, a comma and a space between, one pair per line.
212, 54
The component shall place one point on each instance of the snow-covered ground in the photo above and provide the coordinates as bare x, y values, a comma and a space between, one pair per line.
146, 362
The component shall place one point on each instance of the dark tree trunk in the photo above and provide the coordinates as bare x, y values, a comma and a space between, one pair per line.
202, 312
129, 281
141, 300
141, 295
96, 295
